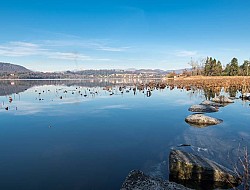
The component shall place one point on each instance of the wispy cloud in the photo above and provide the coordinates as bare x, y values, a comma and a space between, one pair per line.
101, 45
68, 56
112, 49
47, 50
20, 49
73, 56
186, 53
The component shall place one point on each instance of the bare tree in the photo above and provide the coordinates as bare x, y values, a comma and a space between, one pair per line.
242, 167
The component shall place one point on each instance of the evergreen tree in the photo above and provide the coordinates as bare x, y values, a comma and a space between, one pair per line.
245, 68
212, 67
207, 67
226, 70
219, 68
233, 67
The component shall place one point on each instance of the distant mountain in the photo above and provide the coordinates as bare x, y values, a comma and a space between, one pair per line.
8, 70
130, 69
11, 68
179, 71
158, 71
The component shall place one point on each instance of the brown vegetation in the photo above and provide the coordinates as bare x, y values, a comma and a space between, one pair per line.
230, 84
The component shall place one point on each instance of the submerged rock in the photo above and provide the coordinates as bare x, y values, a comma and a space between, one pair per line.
137, 180
189, 167
222, 99
210, 103
202, 120
202, 108
245, 96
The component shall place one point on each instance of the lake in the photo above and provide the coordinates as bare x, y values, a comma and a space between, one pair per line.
91, 134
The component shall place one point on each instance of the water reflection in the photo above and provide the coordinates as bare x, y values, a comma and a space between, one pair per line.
202, 185
210, 88
72, 91
129, 124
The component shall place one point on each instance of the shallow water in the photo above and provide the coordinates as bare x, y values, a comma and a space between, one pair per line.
60, 139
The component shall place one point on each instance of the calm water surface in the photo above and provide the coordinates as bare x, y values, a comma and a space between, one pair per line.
60, 139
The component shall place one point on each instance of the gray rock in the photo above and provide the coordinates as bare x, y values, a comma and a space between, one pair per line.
202, 108
137, 180
187, 166
233, 98
222, 99
202, 120
210, 103
245, 96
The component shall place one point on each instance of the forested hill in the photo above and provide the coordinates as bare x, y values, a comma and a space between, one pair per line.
11, 68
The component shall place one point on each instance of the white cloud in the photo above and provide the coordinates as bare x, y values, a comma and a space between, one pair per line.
24, 44
112, 49
101, 45
185, 53
73, 56
25, 49
20, 49
68, 56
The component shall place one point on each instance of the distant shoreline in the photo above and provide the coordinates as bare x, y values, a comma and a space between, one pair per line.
181, 78
200, 77
82, 79
211, 77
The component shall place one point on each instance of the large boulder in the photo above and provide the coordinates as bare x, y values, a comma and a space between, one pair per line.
137, 180
202, 120
222, 99
202, 108
189, 167
210, 103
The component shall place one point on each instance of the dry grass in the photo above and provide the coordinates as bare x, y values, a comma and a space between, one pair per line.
216, 83
200, 77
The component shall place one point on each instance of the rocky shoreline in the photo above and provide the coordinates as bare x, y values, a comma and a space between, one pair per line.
137, 180
199, 119
185, 169
186, 166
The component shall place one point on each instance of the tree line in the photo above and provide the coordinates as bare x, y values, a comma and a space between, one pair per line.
213, 67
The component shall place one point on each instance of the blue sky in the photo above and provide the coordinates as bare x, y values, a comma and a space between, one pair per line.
55, 35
